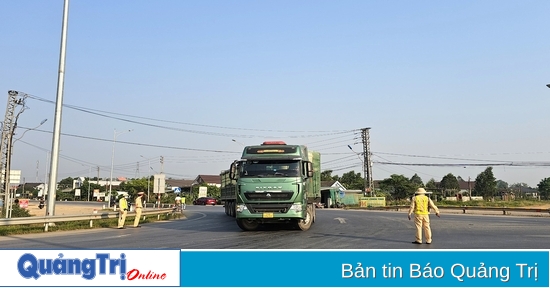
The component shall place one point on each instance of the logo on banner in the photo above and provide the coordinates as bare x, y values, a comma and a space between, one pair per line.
29, 266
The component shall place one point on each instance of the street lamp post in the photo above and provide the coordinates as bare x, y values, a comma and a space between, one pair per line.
30, 129
112, 164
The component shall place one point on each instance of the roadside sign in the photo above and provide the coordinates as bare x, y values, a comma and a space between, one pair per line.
177, 190
203, 191
342, 194
24, 203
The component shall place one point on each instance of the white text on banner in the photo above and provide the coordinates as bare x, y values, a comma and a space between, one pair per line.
366, 268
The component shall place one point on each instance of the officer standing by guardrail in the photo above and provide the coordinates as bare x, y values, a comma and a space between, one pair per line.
419, 206
123, 204
139, 207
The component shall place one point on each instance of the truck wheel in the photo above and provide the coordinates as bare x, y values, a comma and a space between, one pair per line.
248, 225
314, 209
233, 209
305, 224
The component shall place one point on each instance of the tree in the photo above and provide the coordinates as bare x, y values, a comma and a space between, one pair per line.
416, 180
486, 184
430, 185
398, 186
327, 176
84, 189
449, 183
520, 188
212, 191
502, 185
544, 188
66, 183
520, 185
352, 181
134, 185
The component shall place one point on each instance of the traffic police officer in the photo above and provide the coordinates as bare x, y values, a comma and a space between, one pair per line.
139, 206
419, 206
123, 205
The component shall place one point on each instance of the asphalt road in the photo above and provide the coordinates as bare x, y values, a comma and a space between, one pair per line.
209, 228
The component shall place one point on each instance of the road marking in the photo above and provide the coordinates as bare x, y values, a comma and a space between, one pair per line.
342, 220
118, 236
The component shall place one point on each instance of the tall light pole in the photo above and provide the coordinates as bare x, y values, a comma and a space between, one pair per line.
148, 176
112, 164
52, 186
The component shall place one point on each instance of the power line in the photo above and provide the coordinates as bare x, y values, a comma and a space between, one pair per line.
436, 157
536, 164
108, 114
140, 144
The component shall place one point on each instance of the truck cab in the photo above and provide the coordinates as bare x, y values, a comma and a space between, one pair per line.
275, 183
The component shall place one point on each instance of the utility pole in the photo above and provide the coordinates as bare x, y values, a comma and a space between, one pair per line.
89, 180
367, 162
97, 175
8, 128
469, 188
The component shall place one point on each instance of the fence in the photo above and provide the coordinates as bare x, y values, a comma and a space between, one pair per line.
465, 209
48, 220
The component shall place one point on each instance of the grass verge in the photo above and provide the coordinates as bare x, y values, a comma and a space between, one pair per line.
80, 225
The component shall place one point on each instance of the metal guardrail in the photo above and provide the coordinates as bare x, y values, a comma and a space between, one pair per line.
47, 220
504, 210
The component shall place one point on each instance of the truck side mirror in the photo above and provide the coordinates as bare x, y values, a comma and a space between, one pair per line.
309, 169
233, 171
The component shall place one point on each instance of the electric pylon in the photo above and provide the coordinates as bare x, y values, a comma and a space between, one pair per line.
367, 162
8, 127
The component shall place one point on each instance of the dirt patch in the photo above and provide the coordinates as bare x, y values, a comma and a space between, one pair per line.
546, 206
62, 210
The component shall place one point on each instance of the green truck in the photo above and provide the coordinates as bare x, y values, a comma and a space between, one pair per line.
272, 183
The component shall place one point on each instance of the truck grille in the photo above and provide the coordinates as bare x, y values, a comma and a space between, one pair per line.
268, 196
268, 207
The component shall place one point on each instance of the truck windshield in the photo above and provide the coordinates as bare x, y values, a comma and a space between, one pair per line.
270, 168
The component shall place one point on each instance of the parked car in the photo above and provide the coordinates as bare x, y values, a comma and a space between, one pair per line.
205, 201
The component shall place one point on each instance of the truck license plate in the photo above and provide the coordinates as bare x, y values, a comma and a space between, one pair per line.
268, 215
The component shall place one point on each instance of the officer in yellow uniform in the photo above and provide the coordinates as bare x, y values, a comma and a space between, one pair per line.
419, 206
123, 204
139, 206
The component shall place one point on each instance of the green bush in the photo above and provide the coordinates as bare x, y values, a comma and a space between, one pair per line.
19, 212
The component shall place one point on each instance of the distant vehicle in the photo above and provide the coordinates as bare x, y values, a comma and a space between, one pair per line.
205, 201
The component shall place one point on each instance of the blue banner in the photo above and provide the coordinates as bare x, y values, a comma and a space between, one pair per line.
364, 268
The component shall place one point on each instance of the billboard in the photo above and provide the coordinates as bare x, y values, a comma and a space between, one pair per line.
15, 176
202, 191
159, 184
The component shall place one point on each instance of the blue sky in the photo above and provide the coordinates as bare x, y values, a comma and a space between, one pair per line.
433, 79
